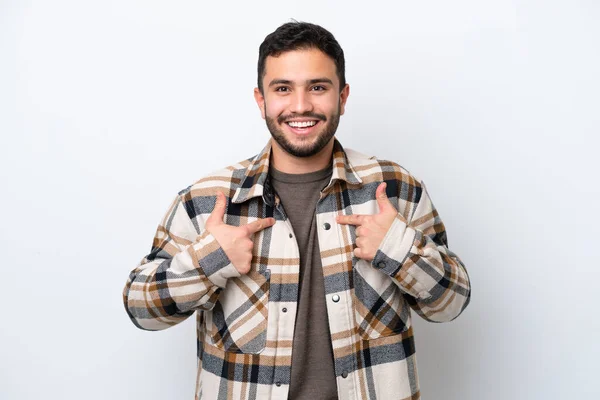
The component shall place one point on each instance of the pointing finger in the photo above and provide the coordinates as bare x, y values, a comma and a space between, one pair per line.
259, 225
349, 219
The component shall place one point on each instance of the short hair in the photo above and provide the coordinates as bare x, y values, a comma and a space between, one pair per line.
299, 36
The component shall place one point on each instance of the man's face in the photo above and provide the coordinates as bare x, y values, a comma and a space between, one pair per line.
302, 101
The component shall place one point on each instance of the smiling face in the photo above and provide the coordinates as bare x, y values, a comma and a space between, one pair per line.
302, 101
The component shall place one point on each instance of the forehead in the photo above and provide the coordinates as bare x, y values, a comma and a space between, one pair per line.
300, 65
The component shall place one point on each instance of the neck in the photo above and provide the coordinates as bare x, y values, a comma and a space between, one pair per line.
285, 162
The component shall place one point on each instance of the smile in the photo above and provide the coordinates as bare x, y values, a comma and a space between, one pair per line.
301, 124
303, 128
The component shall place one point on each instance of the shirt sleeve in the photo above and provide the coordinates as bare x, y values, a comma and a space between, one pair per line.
416, 256
184, 272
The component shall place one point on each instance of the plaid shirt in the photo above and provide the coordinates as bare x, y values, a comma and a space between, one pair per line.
244, 337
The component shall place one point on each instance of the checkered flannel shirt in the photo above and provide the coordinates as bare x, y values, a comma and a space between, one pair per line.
244, 339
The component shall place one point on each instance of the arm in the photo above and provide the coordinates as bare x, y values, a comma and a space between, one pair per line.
185, 271
415, 255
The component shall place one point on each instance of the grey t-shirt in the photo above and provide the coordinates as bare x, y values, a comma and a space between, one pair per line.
313, 372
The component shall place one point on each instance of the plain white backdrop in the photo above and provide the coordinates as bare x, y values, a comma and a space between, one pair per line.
108, 108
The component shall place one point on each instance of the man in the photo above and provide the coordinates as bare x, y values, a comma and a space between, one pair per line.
303, 262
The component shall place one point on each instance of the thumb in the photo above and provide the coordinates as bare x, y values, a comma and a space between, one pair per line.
385, 205
216, 216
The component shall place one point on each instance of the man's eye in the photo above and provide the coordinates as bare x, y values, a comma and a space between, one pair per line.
281, 89
318, 88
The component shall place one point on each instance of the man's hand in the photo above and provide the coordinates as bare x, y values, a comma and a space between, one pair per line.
371, 229
235, 241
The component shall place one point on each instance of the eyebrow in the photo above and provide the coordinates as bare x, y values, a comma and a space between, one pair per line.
308, 82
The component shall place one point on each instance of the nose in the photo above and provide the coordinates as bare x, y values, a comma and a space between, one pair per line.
300, 102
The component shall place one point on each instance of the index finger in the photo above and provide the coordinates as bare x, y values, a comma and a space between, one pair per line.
259, 225
350, 219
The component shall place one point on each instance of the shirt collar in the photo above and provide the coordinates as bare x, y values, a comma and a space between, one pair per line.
256, 182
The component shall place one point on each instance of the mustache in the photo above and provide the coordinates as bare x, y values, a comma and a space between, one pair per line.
282, 118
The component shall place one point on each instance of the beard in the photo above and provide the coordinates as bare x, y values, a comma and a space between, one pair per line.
308, 149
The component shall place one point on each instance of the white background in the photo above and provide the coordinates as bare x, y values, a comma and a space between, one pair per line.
108, 108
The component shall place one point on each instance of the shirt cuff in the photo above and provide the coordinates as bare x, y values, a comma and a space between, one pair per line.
392, 254
395, 247
212, 260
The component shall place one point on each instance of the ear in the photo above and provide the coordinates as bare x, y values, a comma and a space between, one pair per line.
343, 97
260, 101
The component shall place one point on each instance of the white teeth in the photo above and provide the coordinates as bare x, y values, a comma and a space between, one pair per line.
305, 124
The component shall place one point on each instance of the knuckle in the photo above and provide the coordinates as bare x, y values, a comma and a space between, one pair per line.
244, 268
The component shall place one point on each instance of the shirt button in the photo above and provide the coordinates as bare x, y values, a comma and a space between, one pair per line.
326, 226
344, 374
291, 236
278, 384
284, 309
335, 298
381, 265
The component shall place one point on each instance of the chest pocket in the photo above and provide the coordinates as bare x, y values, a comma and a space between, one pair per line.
238, 322
379, 307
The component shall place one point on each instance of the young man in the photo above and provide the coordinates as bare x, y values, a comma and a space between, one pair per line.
303, 262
